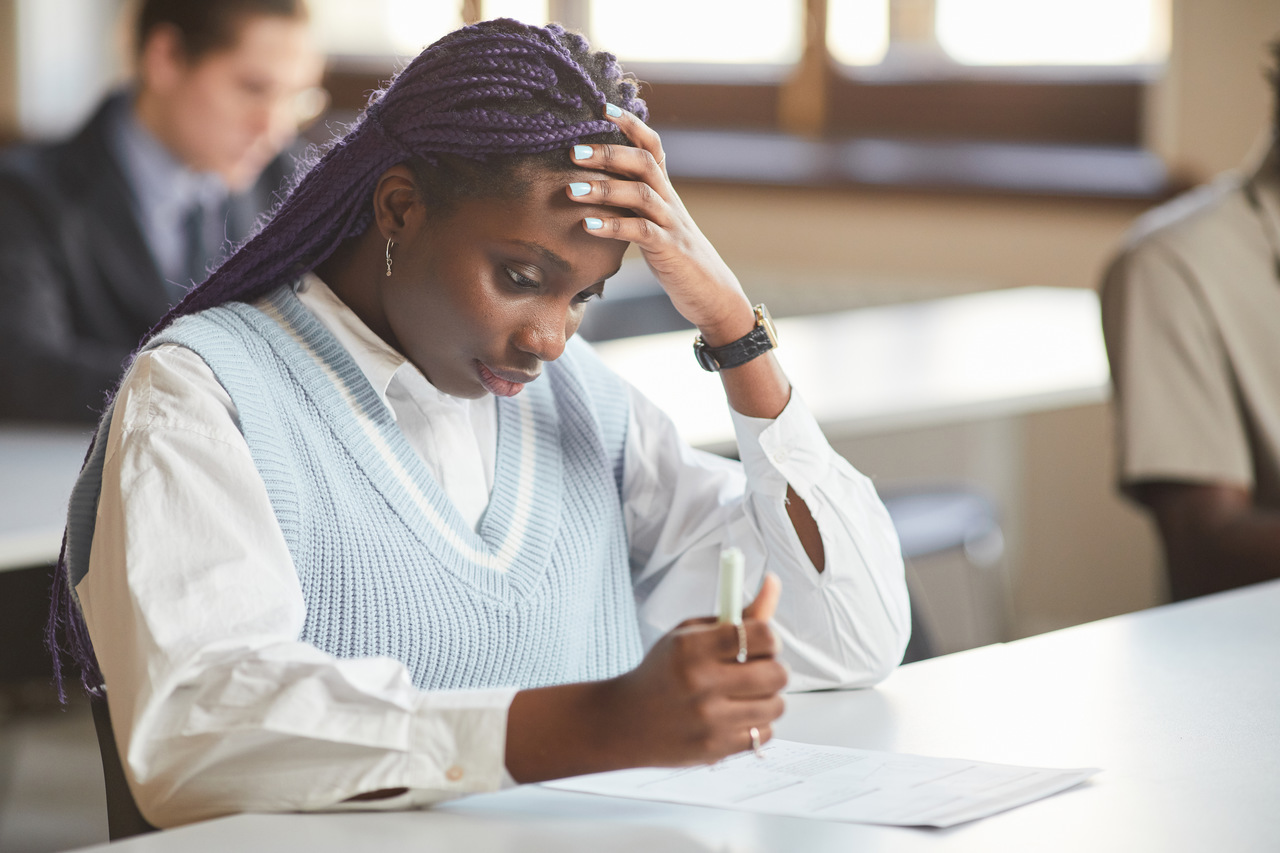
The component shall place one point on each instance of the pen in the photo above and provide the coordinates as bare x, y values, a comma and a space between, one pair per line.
729, 610
729, 596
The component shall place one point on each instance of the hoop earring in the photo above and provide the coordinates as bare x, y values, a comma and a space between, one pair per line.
390, 243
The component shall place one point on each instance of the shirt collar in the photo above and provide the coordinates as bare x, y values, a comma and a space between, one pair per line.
379, 362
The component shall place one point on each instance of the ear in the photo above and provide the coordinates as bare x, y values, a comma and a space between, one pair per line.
397, 207
163, 59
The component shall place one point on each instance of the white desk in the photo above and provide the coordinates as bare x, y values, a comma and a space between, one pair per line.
998, 353
1179, 705
38, 467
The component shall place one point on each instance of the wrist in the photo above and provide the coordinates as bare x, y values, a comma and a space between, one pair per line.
730, 327
554, 732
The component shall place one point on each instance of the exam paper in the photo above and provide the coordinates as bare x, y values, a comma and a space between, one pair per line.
838, 783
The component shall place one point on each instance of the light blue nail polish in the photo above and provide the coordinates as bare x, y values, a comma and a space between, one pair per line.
581, 152
611, 110
593, 224
579, 188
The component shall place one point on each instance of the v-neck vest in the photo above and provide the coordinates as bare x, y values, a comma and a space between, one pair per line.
540, 594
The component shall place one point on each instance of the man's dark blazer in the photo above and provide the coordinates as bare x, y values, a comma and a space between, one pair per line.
79, 288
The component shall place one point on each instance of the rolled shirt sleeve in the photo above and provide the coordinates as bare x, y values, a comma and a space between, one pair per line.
846, 626
217, 706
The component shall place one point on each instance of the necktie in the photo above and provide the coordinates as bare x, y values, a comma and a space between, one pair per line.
198, 254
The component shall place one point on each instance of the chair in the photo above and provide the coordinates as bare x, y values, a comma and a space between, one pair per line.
123, 818
935, 519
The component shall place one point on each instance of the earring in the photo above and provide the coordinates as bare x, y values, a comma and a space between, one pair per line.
389, 245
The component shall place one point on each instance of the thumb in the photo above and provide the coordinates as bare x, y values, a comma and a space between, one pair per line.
766, 599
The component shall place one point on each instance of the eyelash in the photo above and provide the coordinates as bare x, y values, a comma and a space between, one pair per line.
520, 280
525, 282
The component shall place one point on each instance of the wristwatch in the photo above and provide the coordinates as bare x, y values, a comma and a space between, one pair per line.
762, 338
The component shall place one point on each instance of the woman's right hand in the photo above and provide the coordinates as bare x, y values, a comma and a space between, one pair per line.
688, 702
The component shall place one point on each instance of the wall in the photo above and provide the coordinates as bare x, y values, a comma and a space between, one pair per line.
1214, 103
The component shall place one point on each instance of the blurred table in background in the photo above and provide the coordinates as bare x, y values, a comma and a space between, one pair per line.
892, 367
38, 466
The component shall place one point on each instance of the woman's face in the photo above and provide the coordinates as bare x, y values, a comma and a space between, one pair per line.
481, 296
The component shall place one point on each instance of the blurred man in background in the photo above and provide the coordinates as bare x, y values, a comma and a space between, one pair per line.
1191, 313
102, 233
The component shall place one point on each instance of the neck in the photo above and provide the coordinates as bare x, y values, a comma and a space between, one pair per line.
150, 112
352, 274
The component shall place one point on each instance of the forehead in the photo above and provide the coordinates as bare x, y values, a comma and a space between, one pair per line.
541, 215
272, 45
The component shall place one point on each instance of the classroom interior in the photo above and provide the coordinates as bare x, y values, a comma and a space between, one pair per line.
1070, 549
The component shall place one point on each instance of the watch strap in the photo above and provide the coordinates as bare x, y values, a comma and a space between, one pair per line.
756, 342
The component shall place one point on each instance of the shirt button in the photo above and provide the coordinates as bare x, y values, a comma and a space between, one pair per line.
779, 457
454, 773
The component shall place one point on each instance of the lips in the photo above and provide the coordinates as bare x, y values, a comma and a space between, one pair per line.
503, 383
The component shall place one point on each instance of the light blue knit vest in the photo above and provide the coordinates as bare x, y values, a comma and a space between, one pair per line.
541, 594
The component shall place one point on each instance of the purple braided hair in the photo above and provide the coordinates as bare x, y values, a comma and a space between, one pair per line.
493, 93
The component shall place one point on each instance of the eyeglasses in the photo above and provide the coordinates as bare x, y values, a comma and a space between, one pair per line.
309, 104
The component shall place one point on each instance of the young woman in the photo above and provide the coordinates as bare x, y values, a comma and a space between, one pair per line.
366, 527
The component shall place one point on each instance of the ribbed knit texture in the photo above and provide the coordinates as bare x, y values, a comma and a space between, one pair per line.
540, 595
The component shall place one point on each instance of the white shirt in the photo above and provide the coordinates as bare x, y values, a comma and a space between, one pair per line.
195, 608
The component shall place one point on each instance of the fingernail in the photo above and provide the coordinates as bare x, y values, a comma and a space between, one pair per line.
581, 152
579, 188
611, 110
593, 224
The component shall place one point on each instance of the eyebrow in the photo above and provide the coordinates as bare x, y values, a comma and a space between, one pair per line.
546, 253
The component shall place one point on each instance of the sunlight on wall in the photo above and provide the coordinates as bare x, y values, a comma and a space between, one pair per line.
858, 30
529, 11
1054, 32
746, 31
375, 27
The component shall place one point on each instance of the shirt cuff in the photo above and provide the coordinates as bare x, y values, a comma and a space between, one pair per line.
458, 742
788, 449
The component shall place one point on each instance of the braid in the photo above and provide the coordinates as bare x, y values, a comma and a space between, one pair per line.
487, 93
464, 114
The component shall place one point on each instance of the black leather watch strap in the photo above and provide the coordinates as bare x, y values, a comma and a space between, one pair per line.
758, 341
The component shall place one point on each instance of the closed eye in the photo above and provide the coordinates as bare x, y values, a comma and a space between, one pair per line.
520, 280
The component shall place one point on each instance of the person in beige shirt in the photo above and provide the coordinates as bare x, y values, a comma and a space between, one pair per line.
1191, 316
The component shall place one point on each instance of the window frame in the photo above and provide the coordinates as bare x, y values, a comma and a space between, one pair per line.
1099, 108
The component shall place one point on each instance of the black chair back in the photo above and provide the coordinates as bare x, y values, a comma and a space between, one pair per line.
123, 818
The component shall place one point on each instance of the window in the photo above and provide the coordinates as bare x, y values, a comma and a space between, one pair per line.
1053, 32
1022, 72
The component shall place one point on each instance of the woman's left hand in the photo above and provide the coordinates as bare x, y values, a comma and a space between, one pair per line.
699, 283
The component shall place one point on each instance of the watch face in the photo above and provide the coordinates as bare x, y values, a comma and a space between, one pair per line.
765, 321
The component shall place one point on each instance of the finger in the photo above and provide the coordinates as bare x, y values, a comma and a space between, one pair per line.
635, 196
622, 160
646, 234
740, 740
760, 641
645, 137
710, 640
766, 603
754, 680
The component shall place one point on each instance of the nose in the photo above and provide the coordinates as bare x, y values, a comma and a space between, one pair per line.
544, 333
